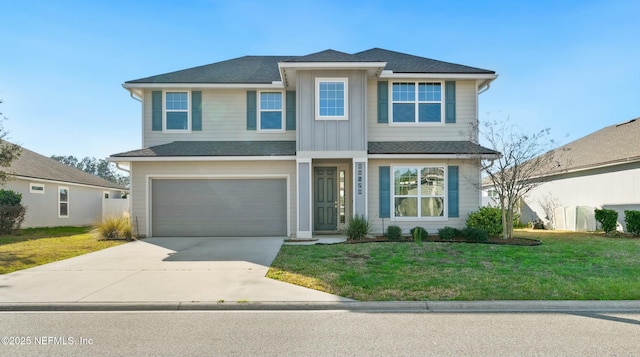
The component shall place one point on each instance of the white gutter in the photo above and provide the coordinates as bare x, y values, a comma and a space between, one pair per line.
199, 158
273, 85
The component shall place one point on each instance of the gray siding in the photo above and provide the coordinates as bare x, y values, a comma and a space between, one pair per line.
331, 135
223, 118
304, 189
85, 203
466, 114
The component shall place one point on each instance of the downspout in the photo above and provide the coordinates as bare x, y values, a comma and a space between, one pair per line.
133, 95
486, 85
120, 168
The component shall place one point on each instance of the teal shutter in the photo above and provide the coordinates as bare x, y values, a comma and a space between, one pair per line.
156, 110
291, 110
383, 102
384, 179
453, 191
196, 110
252, 110
450, 101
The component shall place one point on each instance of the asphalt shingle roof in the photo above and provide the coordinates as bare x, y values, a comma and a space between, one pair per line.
264, 69
33, 165
428, 147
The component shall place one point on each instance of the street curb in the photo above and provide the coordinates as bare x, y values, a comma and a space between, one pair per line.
627, 306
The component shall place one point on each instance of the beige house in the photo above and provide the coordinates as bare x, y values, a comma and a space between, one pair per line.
293, 146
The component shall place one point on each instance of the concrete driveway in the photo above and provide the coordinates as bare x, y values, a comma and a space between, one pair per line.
161, 270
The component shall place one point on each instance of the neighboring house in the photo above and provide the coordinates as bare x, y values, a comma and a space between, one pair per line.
296, 145
59, 195
600, 170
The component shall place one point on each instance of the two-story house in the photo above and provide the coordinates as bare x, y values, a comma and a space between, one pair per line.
296, 145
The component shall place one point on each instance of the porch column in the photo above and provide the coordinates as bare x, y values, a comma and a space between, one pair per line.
360, 186
303, 180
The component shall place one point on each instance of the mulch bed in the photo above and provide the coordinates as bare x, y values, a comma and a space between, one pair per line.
492, 240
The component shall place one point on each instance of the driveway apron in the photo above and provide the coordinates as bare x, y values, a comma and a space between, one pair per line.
162, 270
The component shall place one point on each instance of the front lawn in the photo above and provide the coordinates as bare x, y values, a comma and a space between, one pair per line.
37, 246
567, 266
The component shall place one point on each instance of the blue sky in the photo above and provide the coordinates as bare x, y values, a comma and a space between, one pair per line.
571, 66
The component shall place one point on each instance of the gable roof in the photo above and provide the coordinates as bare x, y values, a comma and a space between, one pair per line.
612, 145
264, 69
36, 166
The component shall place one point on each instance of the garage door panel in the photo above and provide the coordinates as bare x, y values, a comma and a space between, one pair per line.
239, 207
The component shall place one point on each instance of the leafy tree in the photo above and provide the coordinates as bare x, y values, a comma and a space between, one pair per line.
8, 152
524, 161
98, 167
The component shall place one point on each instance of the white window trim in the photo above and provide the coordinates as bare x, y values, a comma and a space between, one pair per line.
106, 194
164, 111
33, 184
445, 213
67, 202
344, 80
416, 103
282, 112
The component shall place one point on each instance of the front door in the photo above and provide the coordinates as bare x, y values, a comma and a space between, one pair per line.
325, 199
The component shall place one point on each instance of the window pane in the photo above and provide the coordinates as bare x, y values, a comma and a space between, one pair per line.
64, 209
272, 101
331, 98
64, 195
405, 181
406, 207
429, 113
177, 120
404, 113
177, 101
404, 92
432, 207
432, 181
271, 120
429, 92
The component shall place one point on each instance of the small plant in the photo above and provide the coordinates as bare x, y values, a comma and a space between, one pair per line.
358, 228
418, 234
448, 233
393, 233
474, 234
632, 220
114, 227
607, 218
488, 219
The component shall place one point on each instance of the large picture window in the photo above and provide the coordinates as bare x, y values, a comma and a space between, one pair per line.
271, 111
331, 98
419, 191
176, 111
417, 102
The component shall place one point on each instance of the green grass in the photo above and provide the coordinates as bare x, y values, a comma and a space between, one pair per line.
567, 266
36, 246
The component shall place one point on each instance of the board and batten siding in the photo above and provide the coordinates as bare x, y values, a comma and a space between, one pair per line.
202, 170
331, 135
224, 118
469, 195
466, 114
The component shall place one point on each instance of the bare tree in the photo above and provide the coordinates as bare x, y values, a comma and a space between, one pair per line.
8, 152
525, 159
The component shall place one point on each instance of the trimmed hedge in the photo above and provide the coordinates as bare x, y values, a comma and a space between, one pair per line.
632, 221
607, 218
393, 233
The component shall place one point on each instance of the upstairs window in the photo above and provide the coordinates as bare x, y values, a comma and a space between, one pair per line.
271, 111
176, 111
331, 98
417, 102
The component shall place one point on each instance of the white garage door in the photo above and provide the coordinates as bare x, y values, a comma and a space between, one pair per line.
218, 208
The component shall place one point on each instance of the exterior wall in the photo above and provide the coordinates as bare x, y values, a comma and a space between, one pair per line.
615, 188
331, 135
224, 118
469, 195
141, 171
85, 203
466, 114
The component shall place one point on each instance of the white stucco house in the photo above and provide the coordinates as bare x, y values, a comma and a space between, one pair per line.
293, 146
600, 170
59, 195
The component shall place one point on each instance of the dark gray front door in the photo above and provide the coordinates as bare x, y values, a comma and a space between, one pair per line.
325, 199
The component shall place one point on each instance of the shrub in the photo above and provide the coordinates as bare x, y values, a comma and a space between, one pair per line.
474, 234
12, 212
114, 227
488, 219
632, 221
393, 233
607, 218
448, 233
358, 228
418, 234
10, 198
